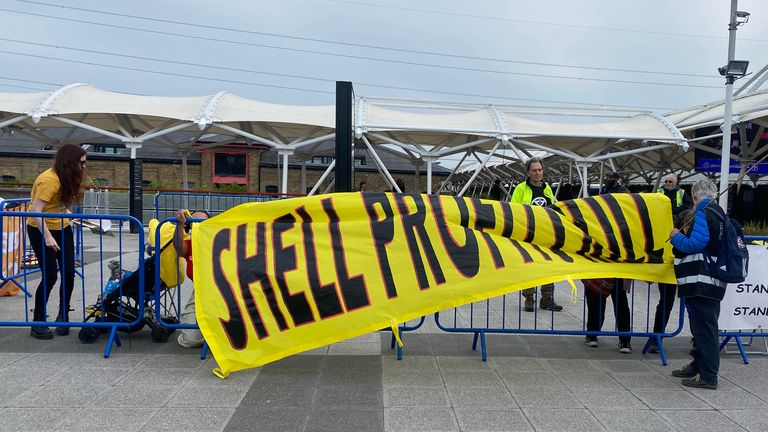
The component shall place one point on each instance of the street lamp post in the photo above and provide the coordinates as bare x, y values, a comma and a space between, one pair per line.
731, 71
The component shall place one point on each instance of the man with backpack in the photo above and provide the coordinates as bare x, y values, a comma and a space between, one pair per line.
702, 277
681, 202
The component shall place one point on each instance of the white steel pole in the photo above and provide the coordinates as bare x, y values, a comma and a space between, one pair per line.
429, 176
725, 156
285, 173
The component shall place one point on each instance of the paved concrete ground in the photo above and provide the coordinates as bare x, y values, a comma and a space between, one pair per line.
542, 383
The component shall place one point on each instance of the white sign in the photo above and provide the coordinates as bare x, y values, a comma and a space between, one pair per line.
745, 306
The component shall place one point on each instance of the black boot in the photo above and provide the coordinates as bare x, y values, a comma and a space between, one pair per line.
62, 331
41, 332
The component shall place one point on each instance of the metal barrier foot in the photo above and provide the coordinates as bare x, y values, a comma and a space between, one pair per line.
662, 353
482, 346
741, 350
724, 342
113, 339
474, 341
658, 342
739, 344
647, 345
204, 351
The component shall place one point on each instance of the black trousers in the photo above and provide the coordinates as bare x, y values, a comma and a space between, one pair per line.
704, 313
667, 294
596, 309
51, 264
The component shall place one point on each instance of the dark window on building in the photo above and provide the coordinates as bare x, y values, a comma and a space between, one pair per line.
8, 178
321, 160
229, 165
106, 148
146, 183
360, 161
271, 189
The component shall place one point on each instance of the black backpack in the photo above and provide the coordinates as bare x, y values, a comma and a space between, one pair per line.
732, 261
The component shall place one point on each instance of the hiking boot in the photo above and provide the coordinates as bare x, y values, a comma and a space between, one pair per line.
551, 306
528, 305
62, 331
41, 332
686, 371
591, 341
697, 382
625, 347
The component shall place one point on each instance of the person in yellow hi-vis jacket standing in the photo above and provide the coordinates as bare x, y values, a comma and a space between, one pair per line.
535, 191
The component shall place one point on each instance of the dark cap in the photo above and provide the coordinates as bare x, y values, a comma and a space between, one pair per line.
613, 174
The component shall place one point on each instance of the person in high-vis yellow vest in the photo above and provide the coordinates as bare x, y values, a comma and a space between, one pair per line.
681, 202
535, 191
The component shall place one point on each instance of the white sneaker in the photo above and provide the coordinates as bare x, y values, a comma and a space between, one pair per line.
591, 341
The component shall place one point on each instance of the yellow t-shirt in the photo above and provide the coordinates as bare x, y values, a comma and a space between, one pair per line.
46, 188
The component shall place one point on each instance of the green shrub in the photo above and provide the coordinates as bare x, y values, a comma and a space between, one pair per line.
231, 187
756, 228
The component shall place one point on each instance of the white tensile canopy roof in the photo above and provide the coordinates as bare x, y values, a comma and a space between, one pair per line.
582, 137
749, 105
422, 131
138, 120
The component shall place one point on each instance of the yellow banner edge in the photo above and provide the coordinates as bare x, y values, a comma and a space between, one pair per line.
387, 321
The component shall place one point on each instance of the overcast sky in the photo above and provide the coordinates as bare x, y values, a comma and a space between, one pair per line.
292, 51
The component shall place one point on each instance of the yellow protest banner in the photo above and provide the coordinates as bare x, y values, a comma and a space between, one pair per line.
276, 278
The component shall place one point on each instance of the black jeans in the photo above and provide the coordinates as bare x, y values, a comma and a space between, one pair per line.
664, 308
596, 309
704, 314
51, 263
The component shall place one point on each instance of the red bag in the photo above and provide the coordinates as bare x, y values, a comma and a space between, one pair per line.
605, 286
599, 286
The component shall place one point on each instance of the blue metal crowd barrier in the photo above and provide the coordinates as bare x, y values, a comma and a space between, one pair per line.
27, 265
169, 306
504, 314
753, 333
167, 203
401, 328
16, 259
106, 316
168, 299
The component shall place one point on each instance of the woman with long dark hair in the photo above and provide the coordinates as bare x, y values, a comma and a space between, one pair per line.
54, 191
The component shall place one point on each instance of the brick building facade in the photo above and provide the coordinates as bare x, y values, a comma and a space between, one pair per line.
254, 168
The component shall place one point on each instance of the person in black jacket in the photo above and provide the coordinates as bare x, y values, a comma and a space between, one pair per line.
615, 288
495, 192
612, 184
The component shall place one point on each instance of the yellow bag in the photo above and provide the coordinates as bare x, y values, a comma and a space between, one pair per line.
171, 265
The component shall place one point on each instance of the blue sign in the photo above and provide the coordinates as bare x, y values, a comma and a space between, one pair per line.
712, 165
